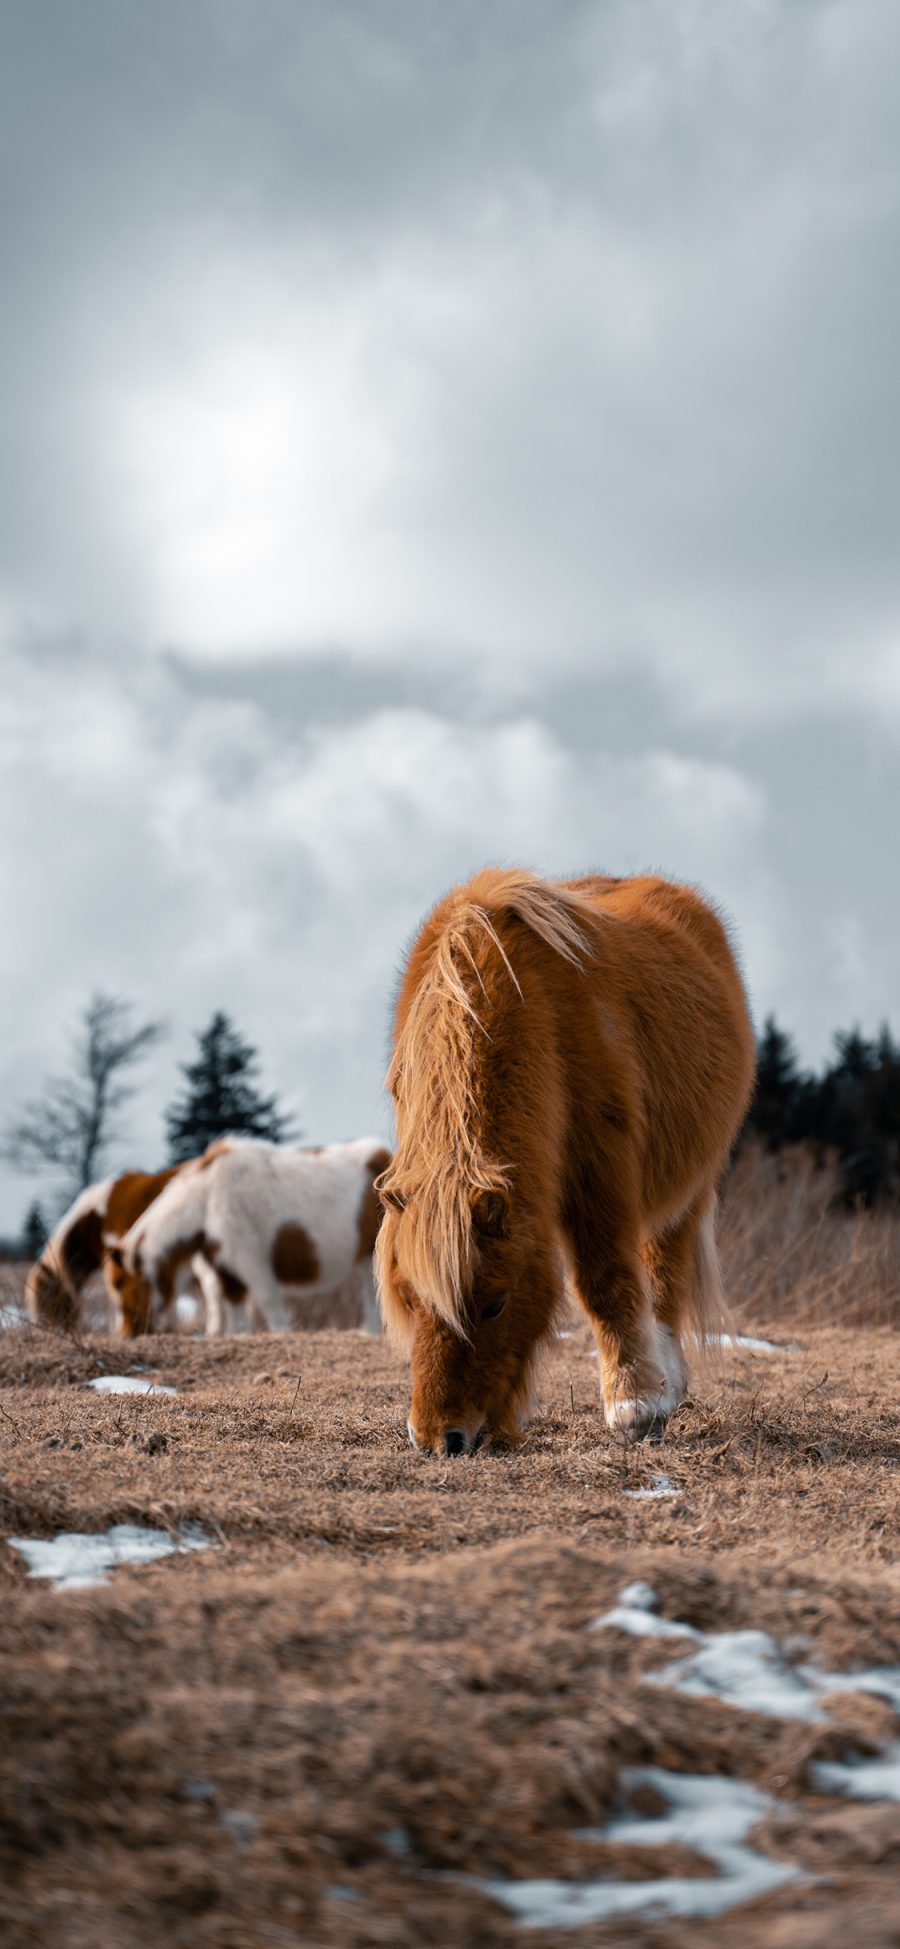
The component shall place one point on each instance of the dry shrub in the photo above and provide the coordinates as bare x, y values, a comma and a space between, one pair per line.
789, 1252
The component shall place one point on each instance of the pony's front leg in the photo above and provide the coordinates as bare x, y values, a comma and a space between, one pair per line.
371, 1312
211, 1291
269, 1310
641, 1370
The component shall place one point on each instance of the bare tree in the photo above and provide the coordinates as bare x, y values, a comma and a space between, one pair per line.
69, 1126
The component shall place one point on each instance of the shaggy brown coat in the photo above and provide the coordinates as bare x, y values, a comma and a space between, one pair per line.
572, 1062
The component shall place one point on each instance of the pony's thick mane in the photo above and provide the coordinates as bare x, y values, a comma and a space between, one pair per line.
439, 1164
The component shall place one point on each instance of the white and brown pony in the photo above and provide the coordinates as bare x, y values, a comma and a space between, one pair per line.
264, 1230
572, 1061
82, 1244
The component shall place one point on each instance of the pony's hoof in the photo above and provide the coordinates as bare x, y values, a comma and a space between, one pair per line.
642, 1415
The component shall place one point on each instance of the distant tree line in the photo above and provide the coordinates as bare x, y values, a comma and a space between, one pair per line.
71, 1125
851, 1110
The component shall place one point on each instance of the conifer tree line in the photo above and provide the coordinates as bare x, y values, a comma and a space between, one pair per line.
851, 1110
73, 1125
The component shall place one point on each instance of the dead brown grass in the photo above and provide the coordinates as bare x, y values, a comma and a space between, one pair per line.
789, 1253
383, 1677
381, 1681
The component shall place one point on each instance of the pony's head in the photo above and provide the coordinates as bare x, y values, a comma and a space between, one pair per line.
133, 1295
471, 1346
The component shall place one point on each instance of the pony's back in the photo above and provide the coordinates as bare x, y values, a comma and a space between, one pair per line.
260, 1195
163, 1222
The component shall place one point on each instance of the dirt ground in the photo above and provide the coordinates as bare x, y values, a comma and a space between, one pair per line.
380, 1684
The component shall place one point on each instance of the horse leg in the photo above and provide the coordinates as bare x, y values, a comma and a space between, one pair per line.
210, 1286
115, 1279
371, 1312
641, 1370
683, 1264
269, 1309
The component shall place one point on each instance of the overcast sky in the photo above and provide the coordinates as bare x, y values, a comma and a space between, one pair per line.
436, 432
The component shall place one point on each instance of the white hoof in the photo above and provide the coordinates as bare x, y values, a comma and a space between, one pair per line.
637, 1415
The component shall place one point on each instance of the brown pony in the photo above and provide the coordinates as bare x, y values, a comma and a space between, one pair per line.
571, 1063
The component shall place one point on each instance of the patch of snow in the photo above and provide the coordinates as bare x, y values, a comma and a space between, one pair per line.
861, 1779
742, 1668
881, 1680
706, 1812
660, 1486
240, 1825
724, 1340
127, 1384
12, 1316
742, 1340
635, 1613
745, 1669
77, 1559
397, 1841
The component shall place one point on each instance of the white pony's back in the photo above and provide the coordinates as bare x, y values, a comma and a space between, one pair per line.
267, 1228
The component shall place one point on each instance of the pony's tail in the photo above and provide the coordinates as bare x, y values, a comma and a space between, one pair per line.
53, 1286
707, 1319
48, 1300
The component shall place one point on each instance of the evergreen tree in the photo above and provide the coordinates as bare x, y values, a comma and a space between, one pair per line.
221, 1097
34, 1232
858, 1115
781, 1088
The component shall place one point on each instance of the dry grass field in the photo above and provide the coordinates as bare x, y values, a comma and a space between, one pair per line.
380, 1688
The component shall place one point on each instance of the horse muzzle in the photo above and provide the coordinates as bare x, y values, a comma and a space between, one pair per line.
449, 1442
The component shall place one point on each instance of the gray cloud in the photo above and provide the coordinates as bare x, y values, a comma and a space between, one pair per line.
197, 847
434, 433
462, 329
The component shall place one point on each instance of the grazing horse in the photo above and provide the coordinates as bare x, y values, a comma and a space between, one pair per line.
82, 1244
263, 1228
571, 1063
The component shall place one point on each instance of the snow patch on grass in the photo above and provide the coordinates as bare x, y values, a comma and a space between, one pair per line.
749, 1344
660, 1486
742, 1668
710, 1814
78, 1559
636, 1614
742, 1340
127, 1384
861, 1779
